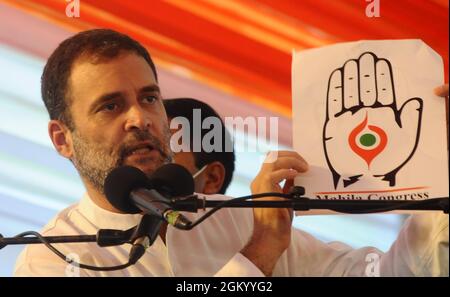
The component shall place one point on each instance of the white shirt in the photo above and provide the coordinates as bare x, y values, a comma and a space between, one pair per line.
212, 248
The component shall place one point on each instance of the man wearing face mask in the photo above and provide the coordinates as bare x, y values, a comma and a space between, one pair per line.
213, 170
101, 91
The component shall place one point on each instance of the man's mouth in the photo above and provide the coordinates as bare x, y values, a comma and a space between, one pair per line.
141, 149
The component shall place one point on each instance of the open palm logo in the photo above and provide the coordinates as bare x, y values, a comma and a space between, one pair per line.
365, 132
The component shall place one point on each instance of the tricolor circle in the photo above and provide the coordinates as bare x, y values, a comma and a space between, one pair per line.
367, 140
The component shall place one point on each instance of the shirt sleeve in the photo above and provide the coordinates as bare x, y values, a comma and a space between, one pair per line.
239, 265
421, 249
40, 262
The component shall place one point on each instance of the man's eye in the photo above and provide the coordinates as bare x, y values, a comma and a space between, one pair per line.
150, 99
109, 107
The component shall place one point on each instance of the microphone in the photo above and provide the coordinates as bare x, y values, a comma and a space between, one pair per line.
129, 190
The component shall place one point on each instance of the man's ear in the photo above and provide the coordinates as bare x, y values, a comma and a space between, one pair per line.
214, 176
61, 138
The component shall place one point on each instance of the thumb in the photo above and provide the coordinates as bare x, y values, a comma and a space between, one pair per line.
442, 91
411, 115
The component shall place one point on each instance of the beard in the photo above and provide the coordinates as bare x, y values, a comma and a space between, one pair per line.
94, 161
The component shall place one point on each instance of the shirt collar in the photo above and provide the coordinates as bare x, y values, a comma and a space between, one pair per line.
104, 219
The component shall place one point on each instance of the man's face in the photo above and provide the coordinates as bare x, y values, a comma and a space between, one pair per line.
118, 116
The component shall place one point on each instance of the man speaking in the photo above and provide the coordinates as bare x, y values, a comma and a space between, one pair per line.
101, 90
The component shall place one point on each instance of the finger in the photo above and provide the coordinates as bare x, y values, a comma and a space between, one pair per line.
298, 164
385, 87
351, 93
442, 91
334, 99
275, 155
279, 175
367, 80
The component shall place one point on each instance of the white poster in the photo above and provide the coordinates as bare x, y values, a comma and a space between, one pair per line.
367, 121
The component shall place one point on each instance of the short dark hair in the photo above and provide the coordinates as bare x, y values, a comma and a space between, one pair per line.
97, 44
183, 107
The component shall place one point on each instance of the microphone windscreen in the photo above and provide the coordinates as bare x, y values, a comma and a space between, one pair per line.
118, 185
173, 180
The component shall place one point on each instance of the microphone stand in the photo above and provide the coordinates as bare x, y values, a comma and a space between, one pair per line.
149, 226
144, 236
104, 237
147, 229
297, 201
141, 237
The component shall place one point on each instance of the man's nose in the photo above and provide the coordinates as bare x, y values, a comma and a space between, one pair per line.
137, 118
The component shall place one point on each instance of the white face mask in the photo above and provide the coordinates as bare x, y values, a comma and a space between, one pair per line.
199, 171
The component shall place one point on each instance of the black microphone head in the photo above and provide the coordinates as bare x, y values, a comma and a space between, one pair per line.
173, 180
118, 185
